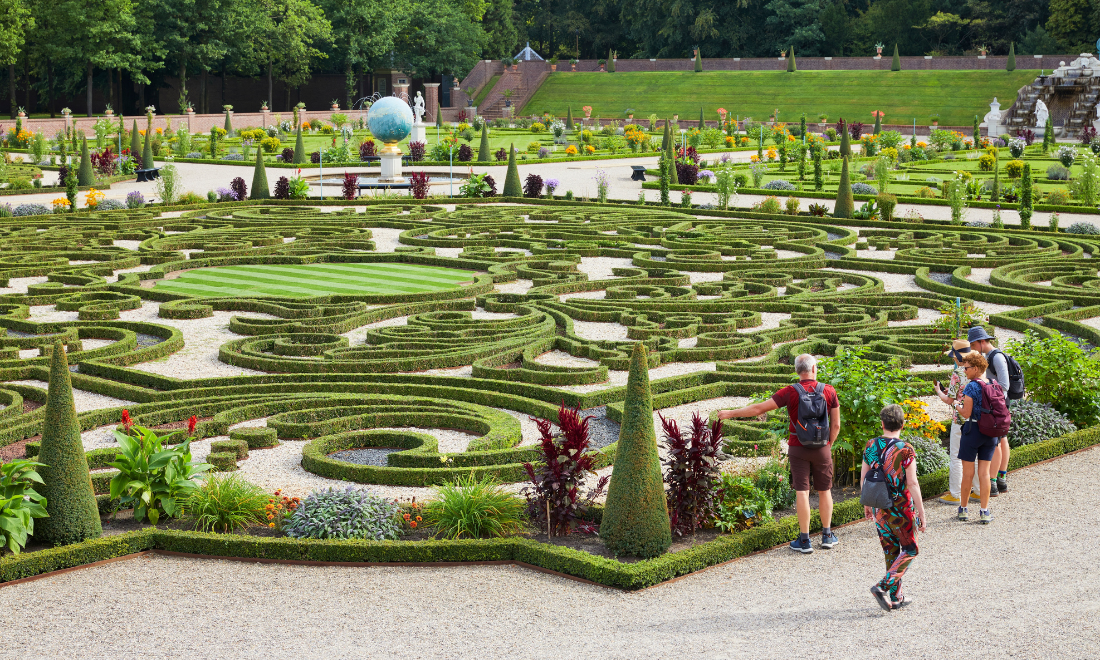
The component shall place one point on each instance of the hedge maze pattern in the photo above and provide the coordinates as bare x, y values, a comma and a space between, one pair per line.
321, 387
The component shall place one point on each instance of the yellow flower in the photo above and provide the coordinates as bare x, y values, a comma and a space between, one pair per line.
60, 202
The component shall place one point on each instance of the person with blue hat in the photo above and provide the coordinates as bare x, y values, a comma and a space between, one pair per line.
998, 370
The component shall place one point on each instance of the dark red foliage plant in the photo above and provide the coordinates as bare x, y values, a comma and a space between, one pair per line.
556, 482
855, 129
239, 188
103, 162
288, 155
492, 191
465, 153
351, 186
416, 151
1027, 135
532, 186
366, 149
687, 173
315, 157
691, 473
501, 155
418, 185
1087, 134
282, 188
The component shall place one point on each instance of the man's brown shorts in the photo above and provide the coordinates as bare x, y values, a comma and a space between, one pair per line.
811, 460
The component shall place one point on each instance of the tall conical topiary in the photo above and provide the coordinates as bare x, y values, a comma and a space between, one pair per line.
896, 64
259, 179
67, 487
977, 132
673, 173
569, 118
635, 518
702, 120
228, 125
1011, 64
1048, 135
845, 139
1027, 200
610, 61
483, 155
147, 150
85, 176
511, 180
135, 142
792, 66
802, 127
844, 202
667, 137
878, 123
698, 61
299, 147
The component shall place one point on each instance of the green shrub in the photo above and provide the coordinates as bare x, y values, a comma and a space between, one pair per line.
986, 162
344, 514
151, 478
635, 520
743, 504
66, 484
1036, 422
774, 479
931, 456
1058, 197
226, 502
1014, 169
1061, 373
474, 508
20, 503
769, 204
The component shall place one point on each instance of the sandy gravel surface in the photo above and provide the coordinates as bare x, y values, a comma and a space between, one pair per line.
1038, 602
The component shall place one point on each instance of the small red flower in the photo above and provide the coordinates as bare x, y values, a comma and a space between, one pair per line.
191, 425
126, 421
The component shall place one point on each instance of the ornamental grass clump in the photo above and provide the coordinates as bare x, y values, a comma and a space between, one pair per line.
225, 502
635, 519
556, 482
691, 473
344, 514
473, 508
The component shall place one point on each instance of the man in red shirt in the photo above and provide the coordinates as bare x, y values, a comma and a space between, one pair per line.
805, 461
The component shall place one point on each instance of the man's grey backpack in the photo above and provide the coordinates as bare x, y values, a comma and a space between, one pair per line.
812, 425
875, 491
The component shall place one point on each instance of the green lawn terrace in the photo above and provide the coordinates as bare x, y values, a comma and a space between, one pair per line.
955, 97
442, 383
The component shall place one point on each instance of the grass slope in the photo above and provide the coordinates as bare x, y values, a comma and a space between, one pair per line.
903, 95
315, 280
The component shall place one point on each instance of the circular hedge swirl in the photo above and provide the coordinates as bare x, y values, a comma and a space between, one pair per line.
562, 292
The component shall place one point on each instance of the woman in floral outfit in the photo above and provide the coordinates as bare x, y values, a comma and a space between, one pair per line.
955, 387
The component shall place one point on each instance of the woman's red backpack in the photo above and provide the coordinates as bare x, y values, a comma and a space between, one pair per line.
995, 419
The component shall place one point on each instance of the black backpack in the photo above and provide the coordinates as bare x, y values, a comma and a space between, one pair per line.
1015, 375
812, 425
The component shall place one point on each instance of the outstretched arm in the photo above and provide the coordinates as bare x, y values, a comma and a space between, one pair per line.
755, 410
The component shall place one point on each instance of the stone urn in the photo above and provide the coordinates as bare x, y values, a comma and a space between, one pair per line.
553, 68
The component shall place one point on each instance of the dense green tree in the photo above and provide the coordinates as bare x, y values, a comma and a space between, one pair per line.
95, 34
1038, 41
795, 24
289, 35
501, 34
67, 485
1073, 23
442, 37
13, 32
363, 36
635, 520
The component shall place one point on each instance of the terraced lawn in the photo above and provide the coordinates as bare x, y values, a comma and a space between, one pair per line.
903, 95
308, 280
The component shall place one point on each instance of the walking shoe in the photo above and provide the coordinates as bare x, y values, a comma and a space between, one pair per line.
964, 515
882, 598
802, 545
975, 497
993, 488
986, 516
950, 499
905, 601
828, 540
1002, 484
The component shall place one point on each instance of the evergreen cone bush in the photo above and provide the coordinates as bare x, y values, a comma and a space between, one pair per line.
228, 125
1011, 64
698, 61
569, 118
610, 61
878, 123
702, 120
299, 147
844, 202
635, 518
483, 153
85, 176
792, 66
511, 180
67, 487
147, 151
896, 64
260, 189
135, 143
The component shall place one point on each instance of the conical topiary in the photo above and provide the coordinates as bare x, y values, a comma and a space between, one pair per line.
135, 142
610, 61
67, 486
511, 180
844, 202
483, 155
698, 61
896, 64
878, 123
977, 132
147, 150
792, 66
845, 140
635, 518
1011, 64
702, 120
85, 176
299, 146
1027, 200
667, 137
259, 179
569, 118
673, 173
228, 125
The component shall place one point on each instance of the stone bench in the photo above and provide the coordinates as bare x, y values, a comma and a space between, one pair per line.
148, 174
639, 173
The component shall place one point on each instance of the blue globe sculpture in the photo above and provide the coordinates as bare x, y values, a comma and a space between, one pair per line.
390, 119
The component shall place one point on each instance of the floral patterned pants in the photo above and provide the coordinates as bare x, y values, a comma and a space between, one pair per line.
895, 533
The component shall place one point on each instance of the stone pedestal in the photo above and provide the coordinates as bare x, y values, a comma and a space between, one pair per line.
419, 133
391, 165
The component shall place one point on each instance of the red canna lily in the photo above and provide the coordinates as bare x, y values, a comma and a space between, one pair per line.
191, 425
126, 421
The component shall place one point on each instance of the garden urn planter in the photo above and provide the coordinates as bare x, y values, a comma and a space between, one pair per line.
878, 50
574, 67
553, 68
109, 112
335, 107
515, 67
22, 114
190, 111
603, 67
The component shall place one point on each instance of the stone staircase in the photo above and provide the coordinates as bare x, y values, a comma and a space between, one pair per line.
1071, 99
523, 83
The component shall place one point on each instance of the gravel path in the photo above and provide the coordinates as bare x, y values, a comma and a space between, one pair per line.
1038, 603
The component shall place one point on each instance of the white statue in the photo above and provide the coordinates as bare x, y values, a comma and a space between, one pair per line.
992, 120
418, 108
1041, 113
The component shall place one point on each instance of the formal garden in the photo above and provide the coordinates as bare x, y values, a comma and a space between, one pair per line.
528, 380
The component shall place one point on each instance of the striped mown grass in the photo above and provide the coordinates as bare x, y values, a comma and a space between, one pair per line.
307, 280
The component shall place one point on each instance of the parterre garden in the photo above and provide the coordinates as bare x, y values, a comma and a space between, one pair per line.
539, 309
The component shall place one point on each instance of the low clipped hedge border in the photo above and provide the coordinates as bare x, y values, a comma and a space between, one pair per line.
572, 562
